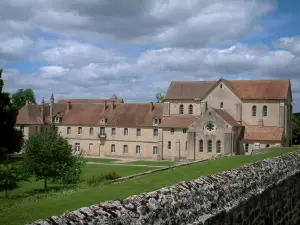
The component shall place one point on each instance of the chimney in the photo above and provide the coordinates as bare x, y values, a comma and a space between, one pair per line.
112, 106
151, 106
51, 107
68, 106
104, 105
43, 110
261, 122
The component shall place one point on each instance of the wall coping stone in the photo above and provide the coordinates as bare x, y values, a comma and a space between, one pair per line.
188, 202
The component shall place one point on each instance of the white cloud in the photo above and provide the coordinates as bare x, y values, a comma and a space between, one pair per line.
290, 43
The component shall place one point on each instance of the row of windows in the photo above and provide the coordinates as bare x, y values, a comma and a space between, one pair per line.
125, 148
209, 146
264, 110
247, 147
181, 109
113, 131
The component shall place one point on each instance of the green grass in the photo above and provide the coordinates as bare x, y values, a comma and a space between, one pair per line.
152, 163
100, 160
55, 205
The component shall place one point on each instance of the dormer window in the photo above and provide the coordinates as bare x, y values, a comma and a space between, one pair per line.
56, 119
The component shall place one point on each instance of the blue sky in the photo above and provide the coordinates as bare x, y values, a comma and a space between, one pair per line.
134, 48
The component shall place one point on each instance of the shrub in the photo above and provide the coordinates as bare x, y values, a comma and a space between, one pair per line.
105, 178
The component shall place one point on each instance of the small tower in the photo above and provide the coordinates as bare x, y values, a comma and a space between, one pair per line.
43, 110
51, 107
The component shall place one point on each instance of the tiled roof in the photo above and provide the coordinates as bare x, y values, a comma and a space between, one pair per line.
256, 133
177, 121
228, 118
245, 89
89, 101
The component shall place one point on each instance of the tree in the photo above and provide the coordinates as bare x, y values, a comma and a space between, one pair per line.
11, 139
11, 175
21, 96
159, 97
296, 129
48, 156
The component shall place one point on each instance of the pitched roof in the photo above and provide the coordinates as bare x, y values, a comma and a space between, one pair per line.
123, 115
256, 133
245, 89
89, 101
113, 97
227, 117
177, 121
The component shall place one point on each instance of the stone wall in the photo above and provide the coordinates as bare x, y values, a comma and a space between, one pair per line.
266, 192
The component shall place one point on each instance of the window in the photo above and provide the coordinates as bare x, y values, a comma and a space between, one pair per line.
36, 129
155, 121
155, 150
172, 130
186, 145
221, 85
155, 132
181, 109
68, 130
91, 131
125, 131
125, 149
91, 146
113, 131
267, 145
22, 129
191, 109
138, 149
56, 119
210, 126
201, 146
209, 146
113, 148
102, 130
209, 113
169, 144
254, 110
265, 110
138, 132
247, 147
218, 146
77, 147
221, 105
79, 130
184, 131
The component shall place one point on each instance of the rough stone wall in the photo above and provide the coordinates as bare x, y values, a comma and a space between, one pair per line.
266, 192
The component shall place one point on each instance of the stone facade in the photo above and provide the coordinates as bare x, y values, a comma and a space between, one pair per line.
265, 192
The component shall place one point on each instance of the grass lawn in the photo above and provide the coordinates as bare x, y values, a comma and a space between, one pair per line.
152, 163
100, 160
28, 211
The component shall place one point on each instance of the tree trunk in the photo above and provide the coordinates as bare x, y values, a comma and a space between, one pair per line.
45, 183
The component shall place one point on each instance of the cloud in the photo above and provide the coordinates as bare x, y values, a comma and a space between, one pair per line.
191, 23
290, 43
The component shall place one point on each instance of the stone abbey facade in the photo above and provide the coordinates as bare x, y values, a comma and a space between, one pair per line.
197, 120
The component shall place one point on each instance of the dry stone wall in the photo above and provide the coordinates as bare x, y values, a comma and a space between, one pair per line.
266, 192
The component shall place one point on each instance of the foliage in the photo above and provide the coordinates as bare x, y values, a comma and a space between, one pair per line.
159, 97
296, 129
10, 175
49, 156
21, 96
11, 139
103, 178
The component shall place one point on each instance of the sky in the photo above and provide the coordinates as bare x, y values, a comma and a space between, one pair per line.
134, 48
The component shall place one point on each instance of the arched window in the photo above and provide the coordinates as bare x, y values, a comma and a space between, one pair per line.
218, 146
267, 145
191, 109
221, 105
169, 144
209, 146
221, 85
265, 110
181, 109
254, 110
201, 146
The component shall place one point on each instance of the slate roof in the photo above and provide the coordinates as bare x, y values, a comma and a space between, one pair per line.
245, 89
257, 133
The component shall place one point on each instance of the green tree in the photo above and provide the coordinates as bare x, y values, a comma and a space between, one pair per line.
21, 96
48, 156
296, 129
11, 175
11, 139
159, 97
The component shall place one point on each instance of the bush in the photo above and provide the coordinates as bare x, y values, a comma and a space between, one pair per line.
105, 178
